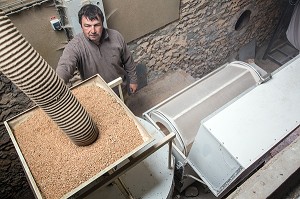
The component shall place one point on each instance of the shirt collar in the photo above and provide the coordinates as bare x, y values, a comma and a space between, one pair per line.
104, 34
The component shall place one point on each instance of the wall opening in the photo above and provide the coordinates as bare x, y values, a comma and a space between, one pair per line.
242, 20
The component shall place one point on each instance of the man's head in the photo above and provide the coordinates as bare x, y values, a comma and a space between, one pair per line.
91, 20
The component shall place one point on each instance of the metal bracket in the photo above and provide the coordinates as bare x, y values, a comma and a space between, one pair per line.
117, 82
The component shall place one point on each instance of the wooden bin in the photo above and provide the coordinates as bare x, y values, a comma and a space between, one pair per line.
14, 122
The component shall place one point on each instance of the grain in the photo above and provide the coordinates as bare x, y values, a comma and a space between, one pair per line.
58, 165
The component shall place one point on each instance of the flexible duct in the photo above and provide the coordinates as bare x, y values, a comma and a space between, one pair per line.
30, 72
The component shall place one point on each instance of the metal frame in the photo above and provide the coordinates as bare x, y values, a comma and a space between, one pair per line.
278, 33
117, 82
133, 161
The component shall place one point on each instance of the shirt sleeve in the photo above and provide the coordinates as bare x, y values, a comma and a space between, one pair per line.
67, 63
129, 65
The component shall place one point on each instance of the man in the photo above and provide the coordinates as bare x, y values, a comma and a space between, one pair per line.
97, 50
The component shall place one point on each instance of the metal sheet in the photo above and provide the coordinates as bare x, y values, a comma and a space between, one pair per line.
184, 111
136, 18
155, 178
248, 128
212, 162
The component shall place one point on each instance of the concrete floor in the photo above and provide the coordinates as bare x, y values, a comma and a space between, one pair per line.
160, 89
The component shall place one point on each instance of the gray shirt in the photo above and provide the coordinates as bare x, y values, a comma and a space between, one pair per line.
111, 59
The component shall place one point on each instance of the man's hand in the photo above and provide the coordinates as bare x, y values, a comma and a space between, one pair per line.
133, 87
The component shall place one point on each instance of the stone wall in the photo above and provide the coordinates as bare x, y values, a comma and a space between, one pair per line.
13, 183
205, 36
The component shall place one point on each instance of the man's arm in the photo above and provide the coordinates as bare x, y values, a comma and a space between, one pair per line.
130, 68
67, 63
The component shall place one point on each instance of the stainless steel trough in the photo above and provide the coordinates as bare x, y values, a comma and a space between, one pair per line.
183, 112
127, 161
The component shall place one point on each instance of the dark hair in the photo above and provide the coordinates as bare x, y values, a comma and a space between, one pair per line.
91, 12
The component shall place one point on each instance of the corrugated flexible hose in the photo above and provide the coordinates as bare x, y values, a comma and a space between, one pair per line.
30, 72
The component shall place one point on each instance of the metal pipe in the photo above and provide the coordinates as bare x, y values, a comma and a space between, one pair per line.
30, 73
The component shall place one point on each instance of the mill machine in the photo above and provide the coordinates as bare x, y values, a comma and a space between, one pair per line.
227, 122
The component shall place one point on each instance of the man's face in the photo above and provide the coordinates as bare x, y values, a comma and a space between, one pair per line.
92, 29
